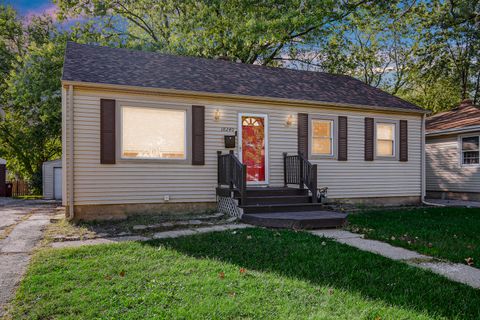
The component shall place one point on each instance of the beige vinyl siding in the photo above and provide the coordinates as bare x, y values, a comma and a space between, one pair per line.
444, 171
130, 181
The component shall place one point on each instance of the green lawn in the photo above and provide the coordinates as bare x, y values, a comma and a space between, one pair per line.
448, 233
252, 273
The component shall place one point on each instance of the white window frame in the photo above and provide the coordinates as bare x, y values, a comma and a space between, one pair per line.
460, 148
396, 134
162, 106
333, 134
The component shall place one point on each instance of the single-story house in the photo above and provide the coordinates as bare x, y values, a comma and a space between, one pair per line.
52, 179
452, 153
147, 133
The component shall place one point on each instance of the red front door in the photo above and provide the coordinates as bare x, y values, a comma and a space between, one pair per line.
253, 147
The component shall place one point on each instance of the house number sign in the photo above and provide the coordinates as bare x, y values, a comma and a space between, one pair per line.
227, 129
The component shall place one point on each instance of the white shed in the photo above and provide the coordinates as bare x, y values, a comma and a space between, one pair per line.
52, 179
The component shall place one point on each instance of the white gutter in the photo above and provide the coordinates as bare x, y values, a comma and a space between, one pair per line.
236, 97
453, 130
70, 108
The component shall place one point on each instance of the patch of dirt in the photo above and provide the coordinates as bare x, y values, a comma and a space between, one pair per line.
63, 230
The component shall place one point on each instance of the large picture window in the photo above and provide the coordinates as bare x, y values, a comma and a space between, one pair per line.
470, 150
153, 133
385, 139
322, 137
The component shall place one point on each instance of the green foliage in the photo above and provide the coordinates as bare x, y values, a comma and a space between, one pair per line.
32, 128
245, 30
30, 96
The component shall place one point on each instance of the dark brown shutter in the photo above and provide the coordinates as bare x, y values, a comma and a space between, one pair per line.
107, 131
369, 137
342, 138
198, 135
303, 134
403, 140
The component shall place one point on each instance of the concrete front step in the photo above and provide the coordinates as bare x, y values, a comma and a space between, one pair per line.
284, 199
297, 220
284, 207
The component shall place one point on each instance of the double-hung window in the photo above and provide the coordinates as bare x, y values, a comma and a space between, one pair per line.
470, 150
385, 139
322, 137
153, 133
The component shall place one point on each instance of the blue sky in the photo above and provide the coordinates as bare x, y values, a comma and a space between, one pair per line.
25, 7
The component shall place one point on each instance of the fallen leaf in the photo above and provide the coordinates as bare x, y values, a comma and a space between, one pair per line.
330, 291
221, 275
324, 243
469, 261
430, 245
243, 270
122, 273
392, 238
249, 237
232, 294
108, 278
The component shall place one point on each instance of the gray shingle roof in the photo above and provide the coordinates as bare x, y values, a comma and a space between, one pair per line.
95, 64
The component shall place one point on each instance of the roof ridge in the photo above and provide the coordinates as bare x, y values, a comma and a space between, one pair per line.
211, 60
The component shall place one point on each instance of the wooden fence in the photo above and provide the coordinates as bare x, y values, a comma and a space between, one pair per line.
18, 188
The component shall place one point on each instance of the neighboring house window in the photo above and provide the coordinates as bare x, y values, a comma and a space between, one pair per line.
322, 137
153, 133
385, 139
470, 150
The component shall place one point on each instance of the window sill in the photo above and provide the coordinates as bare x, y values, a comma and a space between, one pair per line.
322, 157
154, 161
386, 158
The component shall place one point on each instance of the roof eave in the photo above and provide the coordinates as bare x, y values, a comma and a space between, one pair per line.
237, 96
452, 131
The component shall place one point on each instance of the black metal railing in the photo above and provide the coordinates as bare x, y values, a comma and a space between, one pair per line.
233, 173
298, 170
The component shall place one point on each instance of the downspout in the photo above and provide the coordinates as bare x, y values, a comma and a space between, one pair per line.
423, 168
70, 108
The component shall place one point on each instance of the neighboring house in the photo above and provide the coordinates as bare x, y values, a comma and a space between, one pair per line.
52, 179
146, 129
452, 153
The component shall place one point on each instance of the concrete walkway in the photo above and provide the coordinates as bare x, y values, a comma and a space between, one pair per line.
455, 203
454, 271
21, 229
158, 235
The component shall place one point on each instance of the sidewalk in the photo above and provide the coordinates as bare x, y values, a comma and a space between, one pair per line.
19, 237
453, 271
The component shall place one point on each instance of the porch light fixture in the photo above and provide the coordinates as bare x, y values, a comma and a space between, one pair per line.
216, 115
289, 120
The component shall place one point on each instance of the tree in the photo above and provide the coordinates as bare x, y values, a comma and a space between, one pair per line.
450, 50
30, 96
244, 30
